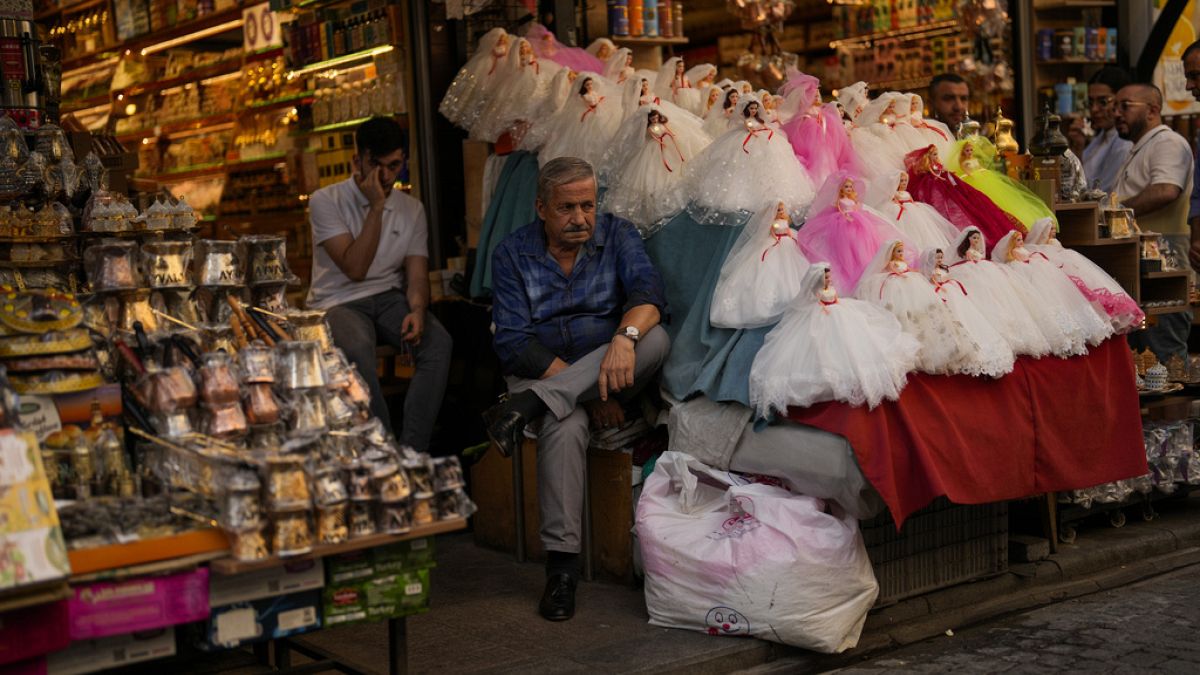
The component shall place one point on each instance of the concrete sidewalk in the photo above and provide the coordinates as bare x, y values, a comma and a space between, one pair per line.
484, 610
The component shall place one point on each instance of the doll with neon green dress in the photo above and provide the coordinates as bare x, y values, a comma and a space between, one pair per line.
972, 159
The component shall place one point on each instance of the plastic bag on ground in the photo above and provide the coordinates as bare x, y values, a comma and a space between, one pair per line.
750, 560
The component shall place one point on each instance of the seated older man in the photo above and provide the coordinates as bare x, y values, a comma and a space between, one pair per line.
576, 307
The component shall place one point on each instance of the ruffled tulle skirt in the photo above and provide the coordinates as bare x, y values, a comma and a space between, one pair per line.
989, 288
737, 173
757, 282
1097, 286
850, 351
1011, 197
1059, 296
989, 354
922, 225
847, 241
822, 151
645, 191
911, 299
587, 139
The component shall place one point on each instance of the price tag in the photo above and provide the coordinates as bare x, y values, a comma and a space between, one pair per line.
413, 589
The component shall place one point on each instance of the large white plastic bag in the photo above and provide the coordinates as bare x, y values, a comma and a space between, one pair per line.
750, 560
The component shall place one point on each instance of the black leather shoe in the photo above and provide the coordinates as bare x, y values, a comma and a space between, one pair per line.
505, 427
558, 600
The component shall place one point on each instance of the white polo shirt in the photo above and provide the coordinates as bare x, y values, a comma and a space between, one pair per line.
341, 208
1161, 156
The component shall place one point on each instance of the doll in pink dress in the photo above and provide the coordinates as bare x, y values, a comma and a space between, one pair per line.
815, 131
959, 203
843, 231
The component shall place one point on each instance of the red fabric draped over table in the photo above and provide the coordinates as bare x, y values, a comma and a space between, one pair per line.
1053, 424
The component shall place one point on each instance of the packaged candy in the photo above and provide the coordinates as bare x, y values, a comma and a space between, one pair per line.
362, 519
396, 517
422, 511
329, 487
293, 535
249, 545
331, 524
420, 475
447, 473
287, 482
394, 487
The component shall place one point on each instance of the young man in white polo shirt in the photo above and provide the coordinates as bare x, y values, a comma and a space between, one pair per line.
1156, 182
371, 275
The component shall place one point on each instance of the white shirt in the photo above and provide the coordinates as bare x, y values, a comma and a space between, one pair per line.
341, 208
1160, 156
1103, 158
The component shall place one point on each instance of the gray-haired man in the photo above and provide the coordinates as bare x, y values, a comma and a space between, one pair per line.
576, 307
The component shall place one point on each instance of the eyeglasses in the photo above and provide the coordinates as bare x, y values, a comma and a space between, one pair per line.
1101, 101
1126, 105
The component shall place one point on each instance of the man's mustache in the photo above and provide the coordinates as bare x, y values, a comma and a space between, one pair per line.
575, 228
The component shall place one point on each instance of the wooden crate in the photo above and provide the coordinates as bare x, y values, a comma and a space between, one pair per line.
609, 475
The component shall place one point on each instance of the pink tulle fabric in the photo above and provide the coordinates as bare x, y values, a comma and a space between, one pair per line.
546, 46
822, 144
1117, 306
958, 202
848, 241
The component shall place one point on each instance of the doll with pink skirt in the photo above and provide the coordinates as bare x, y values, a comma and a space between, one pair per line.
844, 232
815, 131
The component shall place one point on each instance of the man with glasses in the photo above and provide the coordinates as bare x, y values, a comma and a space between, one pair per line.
1156, 182
1106, 152
576, 307
371, 274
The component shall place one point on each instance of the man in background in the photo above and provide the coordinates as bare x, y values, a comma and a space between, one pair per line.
1105, 154
950, 95
1156, 182
1191, 70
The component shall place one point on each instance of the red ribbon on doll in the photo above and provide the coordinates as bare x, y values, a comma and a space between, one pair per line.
778, 238
591, 108
750, 134
662, 147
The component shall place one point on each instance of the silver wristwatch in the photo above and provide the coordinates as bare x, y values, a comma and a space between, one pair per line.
631, 332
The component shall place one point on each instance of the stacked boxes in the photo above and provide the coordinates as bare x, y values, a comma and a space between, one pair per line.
382, 583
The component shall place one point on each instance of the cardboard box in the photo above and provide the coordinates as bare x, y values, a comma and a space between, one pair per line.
382, 596
413, 554
32, 631
264, 619
115, 608
119, 650
302, 575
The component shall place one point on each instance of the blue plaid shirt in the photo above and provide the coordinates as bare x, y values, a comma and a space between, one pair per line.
541, 313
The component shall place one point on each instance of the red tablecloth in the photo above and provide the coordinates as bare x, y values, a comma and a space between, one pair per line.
1053, 424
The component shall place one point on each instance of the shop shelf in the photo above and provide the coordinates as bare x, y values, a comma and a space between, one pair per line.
1073, 62
1166, 275
264, 162
1073, 4
286, 101
174, 128
648, 41
186, 173
336, 61
1171, 309
227, 67
68, 9
85, 103
176, 32
922, 31
230, 566
340, 125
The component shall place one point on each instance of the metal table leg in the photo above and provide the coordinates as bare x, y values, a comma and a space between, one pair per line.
518, 475
398, 646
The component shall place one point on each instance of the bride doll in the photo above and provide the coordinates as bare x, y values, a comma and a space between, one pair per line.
672, 84
892, 284
1071, 311
910, 136
520, 92
468, 93
601, 48
1105, 294
959, 203
586, 124
971, 159
556, 97
747, 166
874, 137
719, 118
990, 355
842, 230
619, 67
643, 167
932, 131
991, 290
814, 130
920, 222
828, 348
761, 274
853, 100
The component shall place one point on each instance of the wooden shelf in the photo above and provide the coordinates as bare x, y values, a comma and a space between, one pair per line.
201, 171
1073, 243
229, 566
1172, 309
227, 67
141, 41
912, 32
1072, 4
1075, 206
1073, 62
648, 41
90, 102
178, 127
286, 101
1165, 275
69, 9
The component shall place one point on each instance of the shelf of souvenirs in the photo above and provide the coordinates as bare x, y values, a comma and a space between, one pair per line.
338, 61
1073, 4
642, 41
337, 126
76, 105
921, 31
216, 168
72, 8
289, 100
180, 129
221, 70
203, 27
1075, 62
